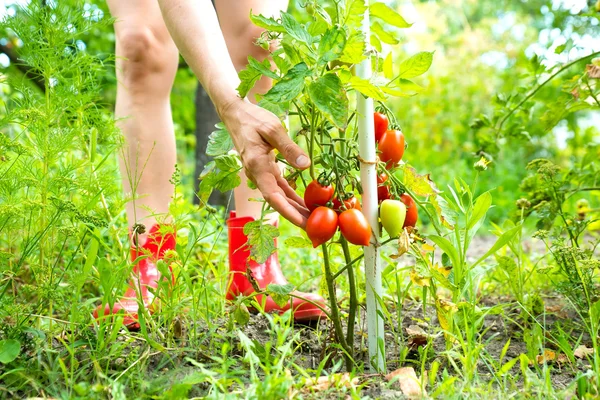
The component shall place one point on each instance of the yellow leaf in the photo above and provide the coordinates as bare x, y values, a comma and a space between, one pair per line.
548, 355
443, 270
419, 280
428, 248
421, 185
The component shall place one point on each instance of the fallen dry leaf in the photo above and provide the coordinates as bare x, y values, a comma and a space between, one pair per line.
416, 337
562, 359
548, 356
593, 71
324, 383
582, 351
406, 380
558, 310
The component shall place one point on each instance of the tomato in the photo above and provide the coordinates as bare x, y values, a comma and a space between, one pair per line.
322, 225
350, 203
412, 214
354, 227
391, 146
383, 191
317, 195
392, 214
381, 125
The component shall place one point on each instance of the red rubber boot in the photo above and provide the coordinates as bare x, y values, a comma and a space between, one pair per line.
264, 274
145, 275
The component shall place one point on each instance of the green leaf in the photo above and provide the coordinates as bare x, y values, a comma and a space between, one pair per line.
383, 35
388, 15
388, 66
290, 86
416, 65
261, 240
219, 141
355, 12
278, 108
480, 208
501, 242
280, 293
269, 24
9, 350
264, 67
354, 51
241, 314
507, 366
367, 88
376, 43
329, 96
294, 29
446, 246
332, 44
252, 73
298, 242
220, 174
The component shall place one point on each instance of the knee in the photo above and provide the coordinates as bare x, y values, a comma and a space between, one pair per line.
245, 46
142, 52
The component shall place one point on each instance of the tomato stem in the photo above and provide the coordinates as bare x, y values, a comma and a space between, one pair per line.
353, 296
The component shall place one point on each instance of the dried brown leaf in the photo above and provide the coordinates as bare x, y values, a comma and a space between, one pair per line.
416, 337
324, 383
548, 356
582, 351
406, 380
593, 71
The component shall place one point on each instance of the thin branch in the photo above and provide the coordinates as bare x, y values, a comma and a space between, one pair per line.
24, 68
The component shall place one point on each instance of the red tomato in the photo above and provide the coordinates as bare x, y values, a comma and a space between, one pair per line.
322, 225
354, 227
381, 125
391, 146
317, 195
412, 214
348, 203
383, 191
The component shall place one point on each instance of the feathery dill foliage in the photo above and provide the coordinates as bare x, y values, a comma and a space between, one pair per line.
58, 182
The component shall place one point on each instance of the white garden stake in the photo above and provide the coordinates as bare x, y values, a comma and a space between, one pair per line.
368, 177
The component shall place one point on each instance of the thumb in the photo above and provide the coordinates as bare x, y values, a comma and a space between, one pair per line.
290, 150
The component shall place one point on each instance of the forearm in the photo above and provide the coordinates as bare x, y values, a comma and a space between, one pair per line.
194, 26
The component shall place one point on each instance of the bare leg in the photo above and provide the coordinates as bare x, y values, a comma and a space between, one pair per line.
240, 35
146, 66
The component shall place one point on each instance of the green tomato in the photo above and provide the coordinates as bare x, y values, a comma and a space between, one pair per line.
392, 214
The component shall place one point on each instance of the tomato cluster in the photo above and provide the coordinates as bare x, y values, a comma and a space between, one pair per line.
395, 213
328, 214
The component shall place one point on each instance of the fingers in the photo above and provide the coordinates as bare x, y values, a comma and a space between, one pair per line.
289, 192
278, 138
275, 196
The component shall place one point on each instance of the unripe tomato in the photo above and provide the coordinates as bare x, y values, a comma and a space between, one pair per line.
391, 146
350, 203
381, 125
392, 214
317, 195
412, 214
354, 227
383, 191
321, 225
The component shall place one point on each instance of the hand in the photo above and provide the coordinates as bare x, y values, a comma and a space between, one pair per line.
255, 133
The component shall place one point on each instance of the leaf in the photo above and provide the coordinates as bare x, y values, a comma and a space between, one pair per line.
548, 355
9, 350
219, 141
367, 88
261, 240
328, 382
447, 247
383, 35
294, 29
480, 208
290, 86
220, 174
421, 185
406, 380
417, 337
418, 279
501, 242
298, 242
388, 15
280, 293
507, 366
252, 73
241, 314
583, 352
332, 44
268, 23
388, 66
329, 96
264, 67
416, 65
354, 50
355, 13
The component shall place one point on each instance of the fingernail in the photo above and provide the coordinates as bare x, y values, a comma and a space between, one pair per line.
302, 161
